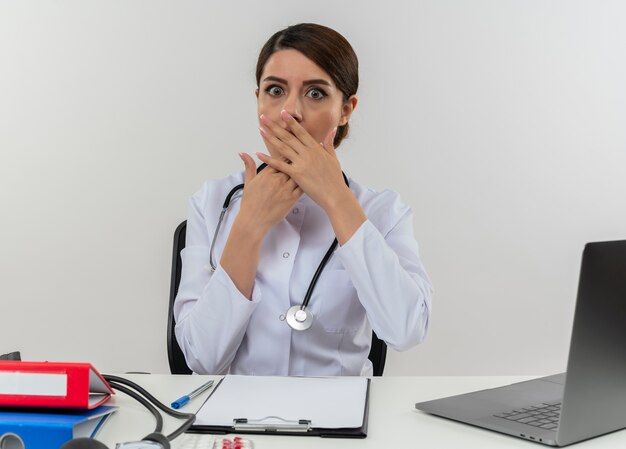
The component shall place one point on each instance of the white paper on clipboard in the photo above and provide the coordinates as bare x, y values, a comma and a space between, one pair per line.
327, 402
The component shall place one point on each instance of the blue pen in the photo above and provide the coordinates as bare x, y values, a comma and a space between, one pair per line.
178, 403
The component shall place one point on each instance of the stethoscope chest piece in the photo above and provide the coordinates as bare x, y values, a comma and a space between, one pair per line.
299, 319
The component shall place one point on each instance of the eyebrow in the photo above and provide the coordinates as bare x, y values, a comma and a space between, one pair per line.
305, 83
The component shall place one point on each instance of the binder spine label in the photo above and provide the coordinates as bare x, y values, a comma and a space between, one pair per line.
33, 384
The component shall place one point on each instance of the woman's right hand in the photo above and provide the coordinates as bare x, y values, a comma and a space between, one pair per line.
268, 196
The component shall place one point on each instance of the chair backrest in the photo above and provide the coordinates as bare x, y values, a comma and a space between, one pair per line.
178, 365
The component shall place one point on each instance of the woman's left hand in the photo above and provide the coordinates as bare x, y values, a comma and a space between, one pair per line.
312, 165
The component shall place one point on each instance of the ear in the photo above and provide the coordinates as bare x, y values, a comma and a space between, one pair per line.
256, 93
347, 109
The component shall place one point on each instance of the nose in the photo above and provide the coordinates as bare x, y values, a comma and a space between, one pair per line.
293, 107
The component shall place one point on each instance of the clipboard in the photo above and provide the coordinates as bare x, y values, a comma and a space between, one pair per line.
232, 409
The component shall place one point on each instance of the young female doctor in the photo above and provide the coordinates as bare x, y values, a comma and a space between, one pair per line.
265, 288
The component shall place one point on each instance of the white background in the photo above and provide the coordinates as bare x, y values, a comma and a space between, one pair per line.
500, 122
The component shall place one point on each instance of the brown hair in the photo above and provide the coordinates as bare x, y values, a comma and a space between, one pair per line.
326, 48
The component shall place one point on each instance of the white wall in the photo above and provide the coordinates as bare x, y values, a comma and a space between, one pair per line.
501, 123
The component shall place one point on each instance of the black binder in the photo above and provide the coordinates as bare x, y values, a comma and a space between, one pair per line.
278, 426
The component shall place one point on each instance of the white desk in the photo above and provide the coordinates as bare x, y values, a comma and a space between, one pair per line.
393, 420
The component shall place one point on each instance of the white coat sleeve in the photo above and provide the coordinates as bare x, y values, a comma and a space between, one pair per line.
390, 280
211, 313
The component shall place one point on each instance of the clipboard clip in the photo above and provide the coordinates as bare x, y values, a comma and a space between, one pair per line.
271, 424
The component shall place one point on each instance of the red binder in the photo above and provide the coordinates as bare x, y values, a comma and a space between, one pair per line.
52, 385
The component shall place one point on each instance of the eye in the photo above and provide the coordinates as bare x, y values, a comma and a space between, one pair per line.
275, 91
316, 93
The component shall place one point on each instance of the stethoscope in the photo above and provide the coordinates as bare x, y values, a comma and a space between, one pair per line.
297, 317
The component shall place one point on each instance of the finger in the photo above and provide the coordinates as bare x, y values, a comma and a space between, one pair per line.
250, 166
274, 143
273, 130
275, 163
328, 143
297, 129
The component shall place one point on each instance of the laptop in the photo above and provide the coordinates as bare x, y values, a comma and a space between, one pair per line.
590, 398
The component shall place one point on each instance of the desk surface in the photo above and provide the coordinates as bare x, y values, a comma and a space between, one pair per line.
393, 420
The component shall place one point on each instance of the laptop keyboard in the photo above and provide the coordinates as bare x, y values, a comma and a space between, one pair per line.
545, 416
